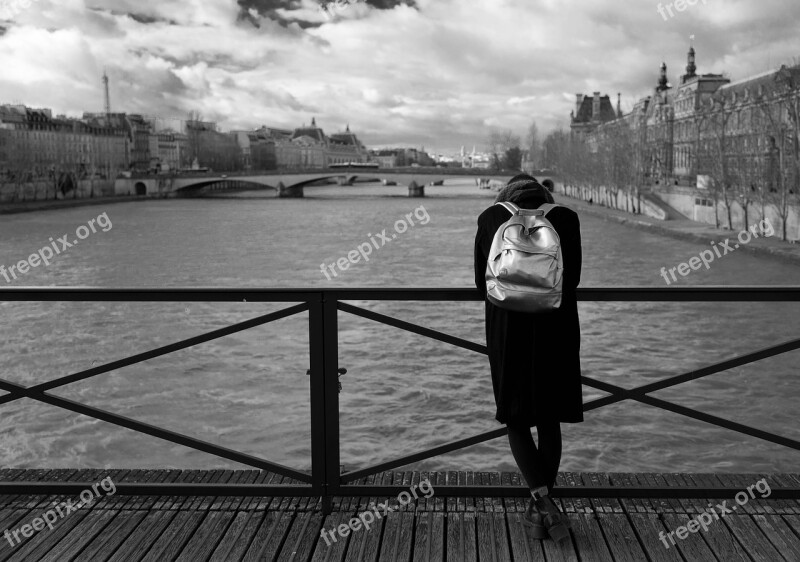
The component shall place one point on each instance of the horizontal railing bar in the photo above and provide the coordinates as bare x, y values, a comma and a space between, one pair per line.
158, 352
421, 456
155, 488
777, 293
158, 432
737, 361
185, 294
440, 490
413, 328
739, 293
695, 414
289, 490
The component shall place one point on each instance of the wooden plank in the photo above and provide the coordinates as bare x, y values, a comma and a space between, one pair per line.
524, 547
207, 536
649, 529
461, 537
492, 537
237, 551
452, 502
302, 537
213, 502
397, 536
752, 539
780, 535
327, 549
112, 536
429, 537
174, 536
602, 505
621, 538
146, 534
365, 546
718, 537
588, 537
79, 536
693, 547
269, 536
44, 539
231, 535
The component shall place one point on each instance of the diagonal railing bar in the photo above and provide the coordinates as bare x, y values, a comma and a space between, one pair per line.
414, 328
422, 455
695, 414
154, 431
159, 351
712, 369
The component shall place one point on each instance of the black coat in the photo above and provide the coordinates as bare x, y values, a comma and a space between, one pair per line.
534, 358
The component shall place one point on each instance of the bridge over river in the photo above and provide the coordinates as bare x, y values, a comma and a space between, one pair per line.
291, 183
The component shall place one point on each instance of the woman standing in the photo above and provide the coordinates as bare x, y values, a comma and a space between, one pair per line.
534, 358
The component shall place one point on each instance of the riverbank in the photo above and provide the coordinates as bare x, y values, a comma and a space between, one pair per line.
685, 229
46, 205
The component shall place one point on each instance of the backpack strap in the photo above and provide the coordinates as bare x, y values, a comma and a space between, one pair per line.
547, 207
516, 211
508, 206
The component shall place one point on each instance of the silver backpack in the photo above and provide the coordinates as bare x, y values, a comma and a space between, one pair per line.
524, 270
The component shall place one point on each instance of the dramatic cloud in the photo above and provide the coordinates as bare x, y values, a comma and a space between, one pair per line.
439, 73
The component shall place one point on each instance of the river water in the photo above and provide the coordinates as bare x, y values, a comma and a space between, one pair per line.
402, 392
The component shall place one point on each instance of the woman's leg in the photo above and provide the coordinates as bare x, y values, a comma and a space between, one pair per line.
550, 450
529, 461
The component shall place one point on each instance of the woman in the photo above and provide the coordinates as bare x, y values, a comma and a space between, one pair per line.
534, 358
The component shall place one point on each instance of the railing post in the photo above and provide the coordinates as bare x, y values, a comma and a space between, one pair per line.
324, 348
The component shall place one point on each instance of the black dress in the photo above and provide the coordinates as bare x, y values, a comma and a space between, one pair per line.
534, 358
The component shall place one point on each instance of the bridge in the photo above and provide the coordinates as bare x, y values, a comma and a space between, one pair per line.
291, 183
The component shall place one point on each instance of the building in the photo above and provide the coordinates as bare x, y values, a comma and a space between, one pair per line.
386, 158
258, 149
678, 130
310, 147
590, 112
39, 145
212, 149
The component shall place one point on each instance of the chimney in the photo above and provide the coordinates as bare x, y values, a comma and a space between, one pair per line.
596, 106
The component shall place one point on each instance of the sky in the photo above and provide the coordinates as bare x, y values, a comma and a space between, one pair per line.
435, 73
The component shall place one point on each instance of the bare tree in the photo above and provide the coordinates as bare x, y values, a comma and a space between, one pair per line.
498, 143
533, 142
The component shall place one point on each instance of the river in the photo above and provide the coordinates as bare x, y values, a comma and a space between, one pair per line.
402, 392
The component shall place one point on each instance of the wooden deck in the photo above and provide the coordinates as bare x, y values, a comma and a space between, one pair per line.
160, 528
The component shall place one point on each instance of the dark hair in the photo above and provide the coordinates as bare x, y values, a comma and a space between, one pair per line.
515, 189
548, 183
521, 177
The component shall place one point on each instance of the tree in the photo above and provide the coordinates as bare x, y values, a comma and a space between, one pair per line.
512, 159
716, 150
533, 142
498, 143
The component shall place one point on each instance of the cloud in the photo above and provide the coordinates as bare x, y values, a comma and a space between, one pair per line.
442, 73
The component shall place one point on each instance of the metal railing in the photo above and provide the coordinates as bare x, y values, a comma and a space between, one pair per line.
325, 479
